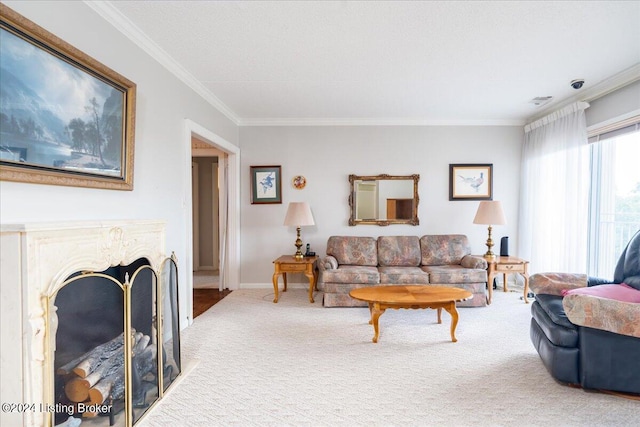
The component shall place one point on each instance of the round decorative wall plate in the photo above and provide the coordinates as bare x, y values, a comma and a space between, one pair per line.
299, 182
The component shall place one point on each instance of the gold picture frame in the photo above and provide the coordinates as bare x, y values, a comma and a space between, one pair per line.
84, 140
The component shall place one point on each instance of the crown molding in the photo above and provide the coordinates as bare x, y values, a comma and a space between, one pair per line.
130, 30
375, 122
112, 15
598, 90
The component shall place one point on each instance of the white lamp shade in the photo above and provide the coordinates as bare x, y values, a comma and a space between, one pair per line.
490, 213
298, 214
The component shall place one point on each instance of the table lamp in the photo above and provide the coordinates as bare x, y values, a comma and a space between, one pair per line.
298, 215
490, 213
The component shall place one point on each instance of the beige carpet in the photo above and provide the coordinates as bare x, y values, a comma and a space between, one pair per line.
299, 364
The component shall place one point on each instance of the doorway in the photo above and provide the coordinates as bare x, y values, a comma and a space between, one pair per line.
205, 186
206, 219
221, 259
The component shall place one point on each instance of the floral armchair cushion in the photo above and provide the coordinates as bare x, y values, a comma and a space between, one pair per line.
603, 313
556, 283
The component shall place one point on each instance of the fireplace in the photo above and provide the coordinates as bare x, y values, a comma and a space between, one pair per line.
90, 331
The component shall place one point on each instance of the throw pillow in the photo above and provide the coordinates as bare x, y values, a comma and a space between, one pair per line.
621, 292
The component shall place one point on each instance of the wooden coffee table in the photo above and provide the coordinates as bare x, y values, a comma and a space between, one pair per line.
411, 296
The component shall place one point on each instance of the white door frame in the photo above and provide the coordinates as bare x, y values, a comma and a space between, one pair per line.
233, 187
195, 202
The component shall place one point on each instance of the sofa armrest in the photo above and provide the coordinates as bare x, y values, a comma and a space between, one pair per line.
471, 261
602, 313
555, 283
328, 263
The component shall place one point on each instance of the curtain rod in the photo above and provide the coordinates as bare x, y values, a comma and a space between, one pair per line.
572, 108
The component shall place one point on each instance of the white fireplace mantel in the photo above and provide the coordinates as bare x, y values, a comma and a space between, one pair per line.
35, 260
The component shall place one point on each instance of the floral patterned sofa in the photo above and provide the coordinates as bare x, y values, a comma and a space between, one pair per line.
587, 330
353, 262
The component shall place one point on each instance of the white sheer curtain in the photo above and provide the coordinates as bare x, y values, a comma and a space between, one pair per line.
554, 192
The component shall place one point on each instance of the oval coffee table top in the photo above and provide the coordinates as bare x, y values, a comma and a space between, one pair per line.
402, 294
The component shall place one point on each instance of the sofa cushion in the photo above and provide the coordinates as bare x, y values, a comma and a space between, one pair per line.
621, 292
352, 274
550, 318
454, 274
552, 306
399, 251
403, 275
351, 250
444, 249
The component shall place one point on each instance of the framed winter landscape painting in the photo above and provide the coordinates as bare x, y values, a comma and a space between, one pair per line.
266, 184
65, 118
470, 182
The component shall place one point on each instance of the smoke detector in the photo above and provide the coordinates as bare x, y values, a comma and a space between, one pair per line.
539, 101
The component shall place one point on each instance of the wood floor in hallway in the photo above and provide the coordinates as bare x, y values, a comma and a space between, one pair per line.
203, 299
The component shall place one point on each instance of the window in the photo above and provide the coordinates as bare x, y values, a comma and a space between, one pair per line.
614, 213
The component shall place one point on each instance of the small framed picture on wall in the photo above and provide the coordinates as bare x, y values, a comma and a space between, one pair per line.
266, 184
471, 181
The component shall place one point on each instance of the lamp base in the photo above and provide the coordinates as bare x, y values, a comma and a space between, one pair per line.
489, 254
298, 255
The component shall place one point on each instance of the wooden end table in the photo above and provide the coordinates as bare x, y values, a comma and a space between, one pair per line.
411, 296
506, 265
289, 264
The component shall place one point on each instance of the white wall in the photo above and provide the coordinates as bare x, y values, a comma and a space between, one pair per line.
161, 184
327, 155
324, 155
614, 105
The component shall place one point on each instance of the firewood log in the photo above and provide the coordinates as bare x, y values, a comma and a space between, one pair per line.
77, 389
88, 404
100, 354
68, 367
99, 393
113, 382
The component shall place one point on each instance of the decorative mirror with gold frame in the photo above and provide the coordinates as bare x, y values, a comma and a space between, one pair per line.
384, 199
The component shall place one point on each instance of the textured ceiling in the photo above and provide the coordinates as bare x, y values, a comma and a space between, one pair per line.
388, 62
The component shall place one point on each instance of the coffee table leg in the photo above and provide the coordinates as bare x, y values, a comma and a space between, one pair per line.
451, 309
439, 314
376, 312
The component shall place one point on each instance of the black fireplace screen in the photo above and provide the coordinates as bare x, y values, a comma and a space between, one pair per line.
102, 318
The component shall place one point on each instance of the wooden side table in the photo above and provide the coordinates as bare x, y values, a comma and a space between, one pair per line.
506, 265
288, 264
